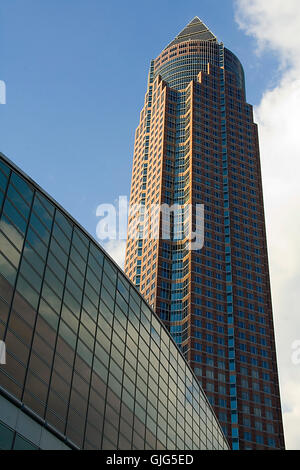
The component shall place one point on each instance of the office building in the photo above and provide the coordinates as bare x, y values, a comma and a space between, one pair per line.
197, 144
88, 364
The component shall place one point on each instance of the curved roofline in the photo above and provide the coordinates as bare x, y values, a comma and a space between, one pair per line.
91, 238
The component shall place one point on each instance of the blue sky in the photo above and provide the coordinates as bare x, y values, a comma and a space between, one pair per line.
76, 74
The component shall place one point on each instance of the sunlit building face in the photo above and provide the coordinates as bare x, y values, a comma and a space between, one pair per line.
197, 145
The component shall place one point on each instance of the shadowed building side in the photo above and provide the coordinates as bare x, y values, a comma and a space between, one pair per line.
88, 364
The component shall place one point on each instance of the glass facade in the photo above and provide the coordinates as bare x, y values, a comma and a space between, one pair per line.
88, 364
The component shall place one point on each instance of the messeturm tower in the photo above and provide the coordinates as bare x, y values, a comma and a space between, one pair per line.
196, 145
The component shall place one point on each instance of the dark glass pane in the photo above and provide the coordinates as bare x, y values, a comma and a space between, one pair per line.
13, 367
48, 314
110, 271
82, 367
18, 201
124, 444
3, 181
14, 216
60, 386
30, 275
6, 289
22, 187
36, 242
23, 444
56, 421
4, 168
74, 288
95, 418
67, 335
69, 318
76, 275
78, 260
24, 309
40, 228
75, 427
36, 386
80, 246
78, 403
112, 416
21, 328
42, 349
84, 353
6, 437
45, 203
62, 239
93, 436
12, 234
27, 292
97, 254
34, 403
10, 385
15, 346
40, 367
93, 280
80, 385
123, 287
56, 267
58, 405
54, 282
72, 304
7, 270
62, 368
45, 331
34, 259
42, 213
53, 300
1, 198
65, 351
4, 309
111, 433
64, 223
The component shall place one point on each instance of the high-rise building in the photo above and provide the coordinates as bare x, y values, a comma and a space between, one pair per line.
197, 143
84, 362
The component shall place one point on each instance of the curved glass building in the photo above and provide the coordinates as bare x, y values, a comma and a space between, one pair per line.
85, 363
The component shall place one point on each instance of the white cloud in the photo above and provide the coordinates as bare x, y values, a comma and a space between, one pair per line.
275, 24
116, 249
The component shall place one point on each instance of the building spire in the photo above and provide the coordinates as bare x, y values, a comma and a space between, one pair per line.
195, 30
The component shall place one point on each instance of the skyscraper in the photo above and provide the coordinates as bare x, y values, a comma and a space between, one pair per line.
197, 143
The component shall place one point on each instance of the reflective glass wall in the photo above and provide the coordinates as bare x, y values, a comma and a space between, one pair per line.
85, 356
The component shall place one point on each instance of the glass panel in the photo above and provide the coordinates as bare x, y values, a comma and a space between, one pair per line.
64, 223
6, 437
4, 168
43, 214
27, 291
3, 181
22, 187
23, 444
14, 216
18, 201
7, 270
